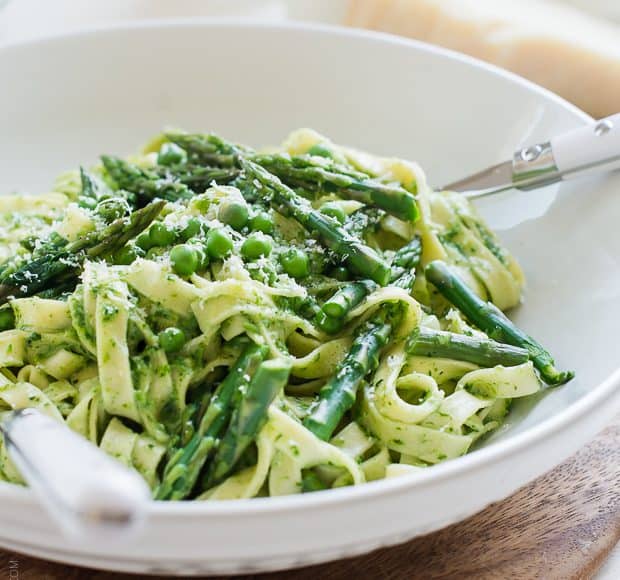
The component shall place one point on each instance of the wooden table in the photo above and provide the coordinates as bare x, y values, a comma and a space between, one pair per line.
562, 526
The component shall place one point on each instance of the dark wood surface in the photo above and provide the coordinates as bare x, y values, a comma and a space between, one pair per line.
562, 526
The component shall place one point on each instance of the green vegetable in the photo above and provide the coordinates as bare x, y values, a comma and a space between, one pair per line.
473, 349
407, 258
125, 255
327, 323
184, 260
62, 266
112, 208
182, 470
248, 418
336, 309
306, 307
204, 149
191, 229
307, 173
196, 178
144, 242
492, 321
146, 184
172, 339
255, 246
340, 273
219, 244
94, 191
295, 263
334, 210
261, 222
171, 154
339, 394
161, 235
233, 213
347, 298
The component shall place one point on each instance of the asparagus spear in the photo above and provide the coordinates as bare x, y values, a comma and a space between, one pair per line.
61, 266
247, 420
347, 298
90, 186
204, 149
492, 320
304, 172
145, 183
407, 258
197, 177
182, 470
310, 174
339, 394
306, 307
365, 261
333, 313
37, 248
329, 324
480, 351
117, 234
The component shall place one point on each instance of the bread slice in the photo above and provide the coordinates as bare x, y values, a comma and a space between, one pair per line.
554, 45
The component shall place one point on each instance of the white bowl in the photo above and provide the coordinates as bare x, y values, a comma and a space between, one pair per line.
65, 100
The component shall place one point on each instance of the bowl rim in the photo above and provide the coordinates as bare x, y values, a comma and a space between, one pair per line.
451, 469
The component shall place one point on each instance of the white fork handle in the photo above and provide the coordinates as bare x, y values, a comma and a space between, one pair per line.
589, 146
88, 492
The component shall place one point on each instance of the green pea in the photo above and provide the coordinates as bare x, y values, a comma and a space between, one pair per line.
191, 229
7, 319
125, 255
161, 235
144, 241
335, 211
171, 154
295, 263
262, 222
219, 244
233, 213
184, 260
340, 273
171, 339
255, 246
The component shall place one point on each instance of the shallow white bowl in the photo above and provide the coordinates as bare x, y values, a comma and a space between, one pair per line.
67, 99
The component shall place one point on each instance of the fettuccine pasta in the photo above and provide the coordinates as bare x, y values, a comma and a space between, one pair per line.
234, 323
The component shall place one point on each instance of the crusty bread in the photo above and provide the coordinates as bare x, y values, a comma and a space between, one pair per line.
561, 48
